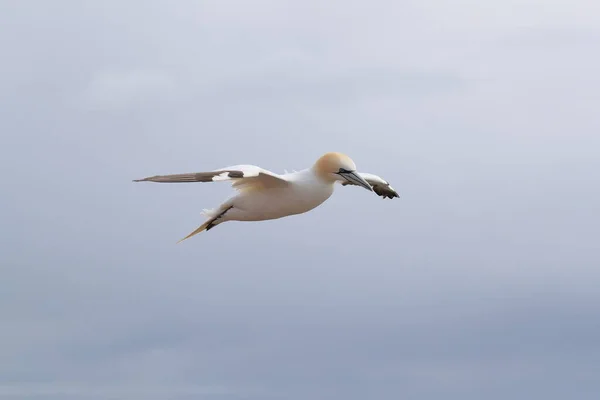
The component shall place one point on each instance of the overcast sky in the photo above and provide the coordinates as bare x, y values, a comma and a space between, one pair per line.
480, 282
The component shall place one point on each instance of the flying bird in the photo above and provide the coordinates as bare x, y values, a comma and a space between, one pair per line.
264, 195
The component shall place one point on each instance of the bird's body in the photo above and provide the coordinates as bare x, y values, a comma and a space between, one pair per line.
304, 192
263, 195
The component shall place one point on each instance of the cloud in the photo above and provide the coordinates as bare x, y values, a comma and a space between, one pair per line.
123, 90
480, 282
148, 391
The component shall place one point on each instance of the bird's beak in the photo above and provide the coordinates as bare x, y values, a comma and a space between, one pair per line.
356, 179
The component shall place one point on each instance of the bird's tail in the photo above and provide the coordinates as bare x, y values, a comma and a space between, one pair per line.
198, 230
209, 223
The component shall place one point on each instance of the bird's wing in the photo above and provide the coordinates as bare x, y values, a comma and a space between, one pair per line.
379, 185
241, 176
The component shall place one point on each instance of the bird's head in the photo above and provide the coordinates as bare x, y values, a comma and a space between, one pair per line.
335, 166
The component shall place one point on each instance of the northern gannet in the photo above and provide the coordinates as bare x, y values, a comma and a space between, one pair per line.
264, 195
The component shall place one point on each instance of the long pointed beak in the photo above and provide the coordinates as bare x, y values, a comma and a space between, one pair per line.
356, 179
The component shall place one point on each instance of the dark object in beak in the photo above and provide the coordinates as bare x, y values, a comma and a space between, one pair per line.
385, 191
354, 178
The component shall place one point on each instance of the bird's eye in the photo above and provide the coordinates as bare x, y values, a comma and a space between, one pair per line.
343, 171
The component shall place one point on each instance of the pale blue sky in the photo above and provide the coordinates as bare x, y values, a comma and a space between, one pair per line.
480, 282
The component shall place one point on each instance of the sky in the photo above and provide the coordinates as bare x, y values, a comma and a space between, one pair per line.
481, 281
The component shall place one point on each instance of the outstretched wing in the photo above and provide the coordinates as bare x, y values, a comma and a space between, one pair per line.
241, 176
379, 185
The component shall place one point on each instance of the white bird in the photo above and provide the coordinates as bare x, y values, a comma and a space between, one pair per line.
264, 195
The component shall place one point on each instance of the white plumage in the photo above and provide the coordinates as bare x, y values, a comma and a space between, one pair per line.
264, 195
